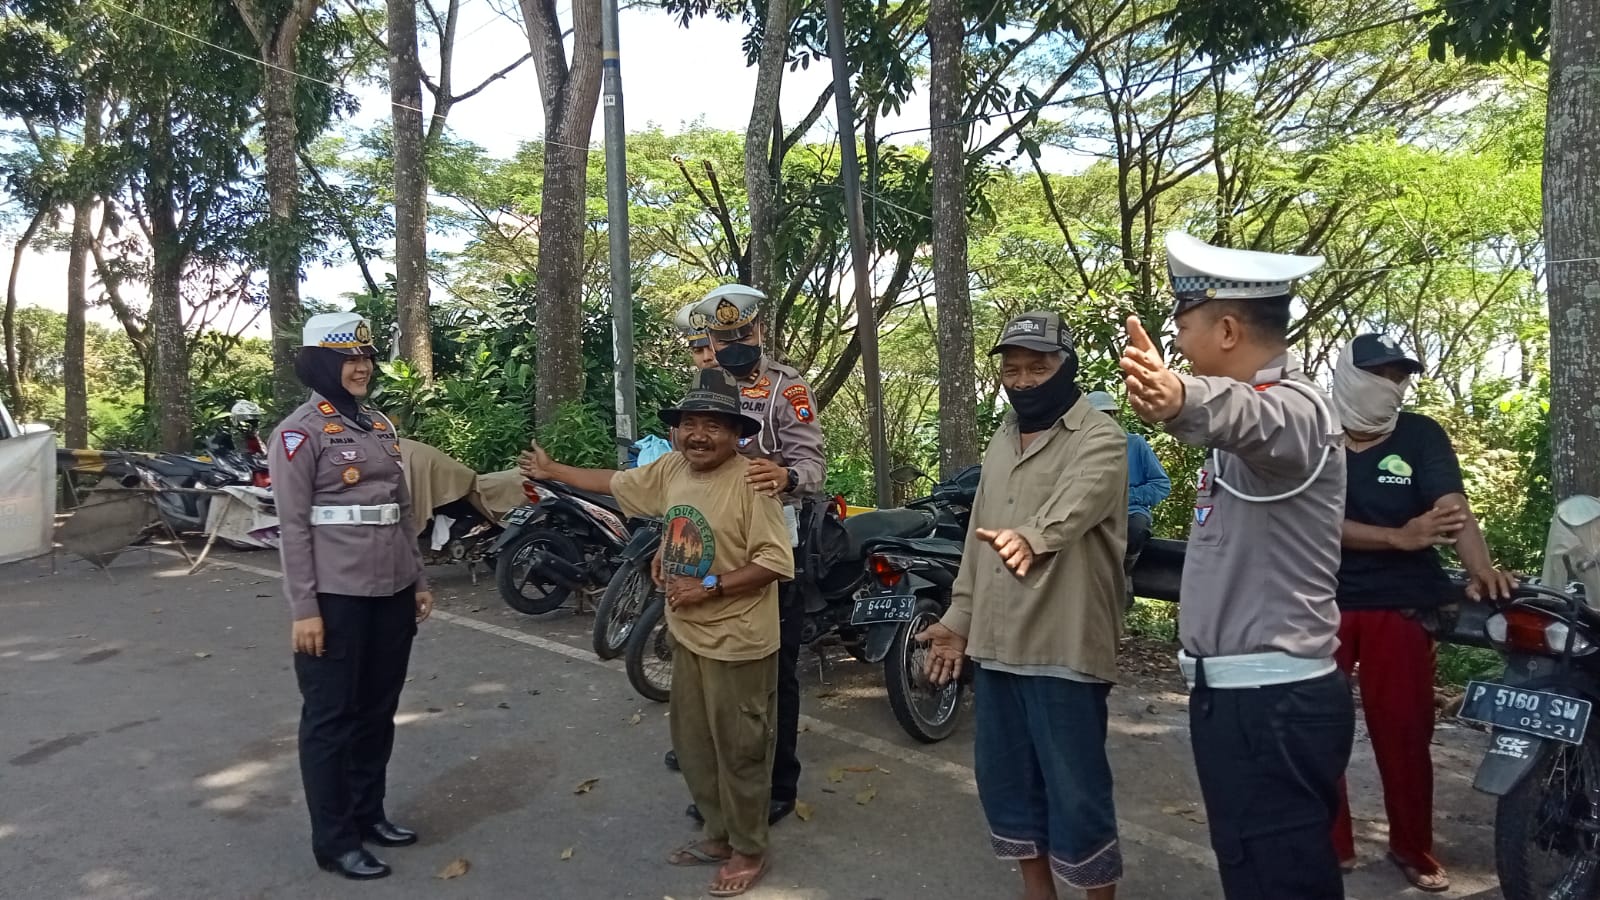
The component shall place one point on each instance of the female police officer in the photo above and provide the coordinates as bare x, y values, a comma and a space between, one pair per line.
353, 577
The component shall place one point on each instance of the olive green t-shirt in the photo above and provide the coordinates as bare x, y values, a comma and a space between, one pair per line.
714, 523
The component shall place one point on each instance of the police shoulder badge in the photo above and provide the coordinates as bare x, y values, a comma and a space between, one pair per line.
291, 442
351, 475
327, 409
800, 399
332, 428
380, 425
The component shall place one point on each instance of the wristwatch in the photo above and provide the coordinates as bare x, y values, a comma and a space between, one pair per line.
792, 483
712, 584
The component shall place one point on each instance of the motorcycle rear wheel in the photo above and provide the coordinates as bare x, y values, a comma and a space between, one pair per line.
648, 657
926, 713
524, 590
1541, 851
619, 608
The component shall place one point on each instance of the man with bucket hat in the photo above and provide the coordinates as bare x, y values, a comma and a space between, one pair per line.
1270, 715
724, 548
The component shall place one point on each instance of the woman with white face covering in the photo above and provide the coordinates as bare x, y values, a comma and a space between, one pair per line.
1404, 499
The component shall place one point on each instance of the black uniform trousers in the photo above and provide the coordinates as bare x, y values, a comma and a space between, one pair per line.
785, 758
1269, 760
350, 695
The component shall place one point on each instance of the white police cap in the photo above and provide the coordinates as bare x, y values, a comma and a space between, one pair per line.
347, 332
1201, 272
731, 310
693, 325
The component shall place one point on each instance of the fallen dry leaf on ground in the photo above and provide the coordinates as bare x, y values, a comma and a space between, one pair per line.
455, 868
567, 853
861, 768
802, 810
635, 719
866, 796
835, 775
586, 785
202, 655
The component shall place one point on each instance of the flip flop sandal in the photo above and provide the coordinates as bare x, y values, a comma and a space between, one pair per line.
1416, 876
695, 855
751, 879
1348, 865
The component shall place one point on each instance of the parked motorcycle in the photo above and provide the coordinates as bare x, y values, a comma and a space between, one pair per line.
562, 542
1543, 762
628, 591
832, 572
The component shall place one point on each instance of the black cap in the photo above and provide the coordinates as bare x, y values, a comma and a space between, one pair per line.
1370, 351
713, 391
1038, 330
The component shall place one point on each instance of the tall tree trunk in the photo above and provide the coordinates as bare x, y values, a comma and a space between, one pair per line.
278, 37
282, 136
569, 95
958, 411
168, 395
410, 189
77, 387
1572, 241
13, 365
760, 184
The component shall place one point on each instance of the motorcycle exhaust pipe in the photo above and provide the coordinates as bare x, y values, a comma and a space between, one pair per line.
558, 570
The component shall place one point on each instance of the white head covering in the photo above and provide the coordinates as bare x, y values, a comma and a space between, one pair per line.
1366, 403
1201, 272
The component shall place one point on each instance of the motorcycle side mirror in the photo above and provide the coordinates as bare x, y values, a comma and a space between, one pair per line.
906, 474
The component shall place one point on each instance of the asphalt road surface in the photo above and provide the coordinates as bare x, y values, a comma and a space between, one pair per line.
147, 750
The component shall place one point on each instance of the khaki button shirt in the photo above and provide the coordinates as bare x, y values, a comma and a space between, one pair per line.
318, 457
1067, 494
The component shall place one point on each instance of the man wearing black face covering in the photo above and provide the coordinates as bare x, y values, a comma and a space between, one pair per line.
1037, 606
786, 462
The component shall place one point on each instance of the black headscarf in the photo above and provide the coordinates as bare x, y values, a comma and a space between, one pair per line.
1040, 406
322, 370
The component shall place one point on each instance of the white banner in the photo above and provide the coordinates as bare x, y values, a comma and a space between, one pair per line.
27, 495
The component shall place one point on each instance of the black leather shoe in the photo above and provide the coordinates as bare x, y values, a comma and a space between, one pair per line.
776, 811
671, 760
355, 864
385, 833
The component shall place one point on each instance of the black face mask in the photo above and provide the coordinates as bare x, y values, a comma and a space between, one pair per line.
739, 360
1039, 407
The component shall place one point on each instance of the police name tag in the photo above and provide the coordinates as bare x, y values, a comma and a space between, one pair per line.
1530, 712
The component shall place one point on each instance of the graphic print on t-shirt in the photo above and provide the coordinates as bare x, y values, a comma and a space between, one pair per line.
688, 546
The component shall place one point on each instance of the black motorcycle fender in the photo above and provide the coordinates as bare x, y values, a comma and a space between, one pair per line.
512, 532
1509, 759
641, 544
880, 637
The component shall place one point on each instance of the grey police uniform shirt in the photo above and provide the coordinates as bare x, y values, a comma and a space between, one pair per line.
320, 458
1261, 577
777, 397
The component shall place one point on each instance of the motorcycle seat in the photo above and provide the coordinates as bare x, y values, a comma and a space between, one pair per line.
604, 501
920, 546
885, 523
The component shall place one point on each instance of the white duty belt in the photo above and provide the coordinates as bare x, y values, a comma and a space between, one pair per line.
1253, 670
382, 514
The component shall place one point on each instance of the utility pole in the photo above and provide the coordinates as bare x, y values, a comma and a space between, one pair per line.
866, 318
617, 230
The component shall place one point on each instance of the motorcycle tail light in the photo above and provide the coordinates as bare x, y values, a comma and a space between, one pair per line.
261, 479
1531, 631
535, 492
886, 572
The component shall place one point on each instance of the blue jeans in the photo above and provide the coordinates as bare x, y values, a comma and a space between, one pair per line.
1043, 776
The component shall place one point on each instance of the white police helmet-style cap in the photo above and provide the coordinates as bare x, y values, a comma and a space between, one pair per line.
730, 311
692, 325
1201, 272
347, 332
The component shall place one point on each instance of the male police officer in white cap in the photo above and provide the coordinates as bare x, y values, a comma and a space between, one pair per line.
692, 326
787, 462
352, 573
1270, 714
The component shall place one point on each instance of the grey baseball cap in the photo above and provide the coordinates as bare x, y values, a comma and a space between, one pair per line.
1037, 330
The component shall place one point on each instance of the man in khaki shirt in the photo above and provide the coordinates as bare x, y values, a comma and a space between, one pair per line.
1038, 607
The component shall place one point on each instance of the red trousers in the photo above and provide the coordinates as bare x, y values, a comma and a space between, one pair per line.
1396, 659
